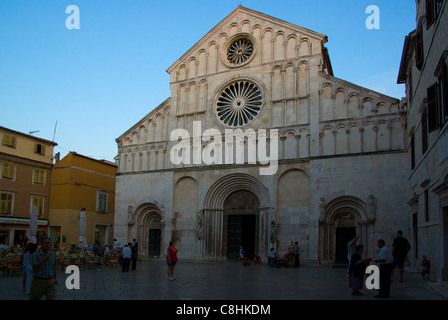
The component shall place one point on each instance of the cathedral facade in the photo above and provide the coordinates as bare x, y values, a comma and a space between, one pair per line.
258, 145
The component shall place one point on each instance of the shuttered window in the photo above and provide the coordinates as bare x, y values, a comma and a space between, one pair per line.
8, 169
6, 203
9, 140
433, 110
39, 176
419, 47
101, 201
38, 202
424, 132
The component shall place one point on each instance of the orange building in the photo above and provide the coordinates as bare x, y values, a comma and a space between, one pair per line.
26, 167
82, 182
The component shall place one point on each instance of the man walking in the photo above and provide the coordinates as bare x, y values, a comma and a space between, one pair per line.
400, 248
44, 271
98, 250
385, 260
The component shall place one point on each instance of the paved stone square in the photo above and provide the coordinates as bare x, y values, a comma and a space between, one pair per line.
220, 281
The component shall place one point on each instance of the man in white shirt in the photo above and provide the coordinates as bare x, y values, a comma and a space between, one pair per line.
126, 253
385, 259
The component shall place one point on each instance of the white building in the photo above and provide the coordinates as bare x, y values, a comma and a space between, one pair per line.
424, 71
342, 161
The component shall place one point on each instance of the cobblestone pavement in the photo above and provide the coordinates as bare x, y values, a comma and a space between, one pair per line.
220, 281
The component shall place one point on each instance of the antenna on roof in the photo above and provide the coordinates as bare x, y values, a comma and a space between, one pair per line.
32, 132
54, 133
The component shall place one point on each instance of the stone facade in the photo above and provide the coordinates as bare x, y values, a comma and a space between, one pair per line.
341, 165
424, 71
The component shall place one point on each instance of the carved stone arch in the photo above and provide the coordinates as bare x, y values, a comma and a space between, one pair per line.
268, 29
182, 72
382, 108
353, 105
327, 140
147, 216
367, 106
232, 26
202, 62
304, 47
192, 67
290, 132
213, 244
354, 138
326, 85
245, 26
344, 217
397, 134
290, 144
303, 143
213, 56
127, 141
255, 26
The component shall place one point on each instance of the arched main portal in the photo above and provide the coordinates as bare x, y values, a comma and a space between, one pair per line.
343, 218
150, 229
234, 202
241, 218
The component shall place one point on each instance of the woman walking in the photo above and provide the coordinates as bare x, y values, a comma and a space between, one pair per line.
171, 260
357, 270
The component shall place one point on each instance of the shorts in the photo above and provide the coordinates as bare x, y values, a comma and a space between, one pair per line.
398, 261
99, 259
171, 264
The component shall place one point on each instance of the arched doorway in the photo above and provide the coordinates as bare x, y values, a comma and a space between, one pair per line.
150, 229
343, 218
241, 219
239, 204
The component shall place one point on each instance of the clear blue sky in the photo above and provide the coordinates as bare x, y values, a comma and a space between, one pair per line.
98, 81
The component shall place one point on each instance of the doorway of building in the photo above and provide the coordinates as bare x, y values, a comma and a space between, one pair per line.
155, 237
343, 236
241, 232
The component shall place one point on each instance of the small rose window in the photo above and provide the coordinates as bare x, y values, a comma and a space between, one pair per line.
240, 51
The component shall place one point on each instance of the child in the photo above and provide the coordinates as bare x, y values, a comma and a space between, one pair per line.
257, 259
241, 253
425, 266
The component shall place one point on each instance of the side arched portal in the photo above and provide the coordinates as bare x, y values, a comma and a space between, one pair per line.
150, 229
344, 217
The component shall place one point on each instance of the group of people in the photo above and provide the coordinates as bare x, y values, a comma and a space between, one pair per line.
388, 260
292, 256
128, 254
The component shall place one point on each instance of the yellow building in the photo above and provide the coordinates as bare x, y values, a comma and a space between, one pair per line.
26, 167
82, 182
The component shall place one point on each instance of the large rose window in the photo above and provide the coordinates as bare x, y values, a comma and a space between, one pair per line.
239, 103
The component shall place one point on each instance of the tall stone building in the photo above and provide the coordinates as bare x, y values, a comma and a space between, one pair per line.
424, 71
341, 168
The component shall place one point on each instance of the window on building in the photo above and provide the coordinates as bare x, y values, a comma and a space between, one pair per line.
6, 203
419, 47
442, 89
409, 86
424, 125
426, 205
433, 8
432, 108
101, 201
38, 202
39, 149
39, 176
8, 169
412, 146
9, 141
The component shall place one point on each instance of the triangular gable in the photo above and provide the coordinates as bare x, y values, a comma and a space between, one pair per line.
239, 10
